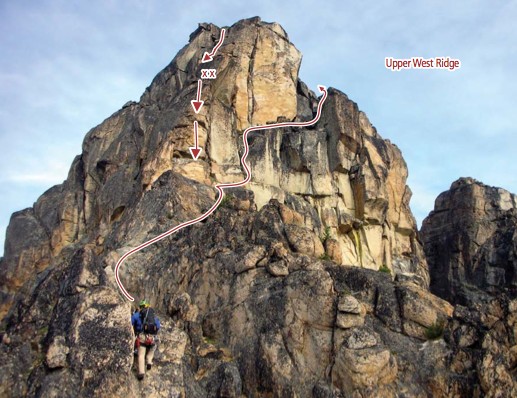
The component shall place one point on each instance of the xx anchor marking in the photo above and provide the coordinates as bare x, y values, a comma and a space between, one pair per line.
196, 150
208, 73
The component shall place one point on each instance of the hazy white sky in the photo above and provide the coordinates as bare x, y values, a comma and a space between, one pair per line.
67, 65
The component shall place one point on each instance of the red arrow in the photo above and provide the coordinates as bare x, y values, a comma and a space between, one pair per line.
197, 103
207, 57
195, 150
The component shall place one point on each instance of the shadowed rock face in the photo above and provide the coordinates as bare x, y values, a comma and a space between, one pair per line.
470, 241
278, 293
243, 313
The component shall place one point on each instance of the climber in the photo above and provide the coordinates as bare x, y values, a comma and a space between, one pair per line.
146, 325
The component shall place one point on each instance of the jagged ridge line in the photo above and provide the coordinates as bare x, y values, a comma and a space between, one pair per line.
220, 188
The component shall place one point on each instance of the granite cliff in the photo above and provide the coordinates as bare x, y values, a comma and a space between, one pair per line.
470, 241
309, 282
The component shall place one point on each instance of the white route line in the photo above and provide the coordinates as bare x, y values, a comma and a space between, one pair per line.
219, 187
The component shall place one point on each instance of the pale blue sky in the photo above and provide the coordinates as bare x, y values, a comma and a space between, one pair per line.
67, 65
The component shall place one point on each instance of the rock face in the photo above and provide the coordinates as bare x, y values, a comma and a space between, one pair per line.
483, 343
470, 240
278, 293
353, 181
243, 313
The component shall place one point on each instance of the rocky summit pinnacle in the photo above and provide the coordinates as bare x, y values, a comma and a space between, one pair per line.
340, 174
309, 281
469, 240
